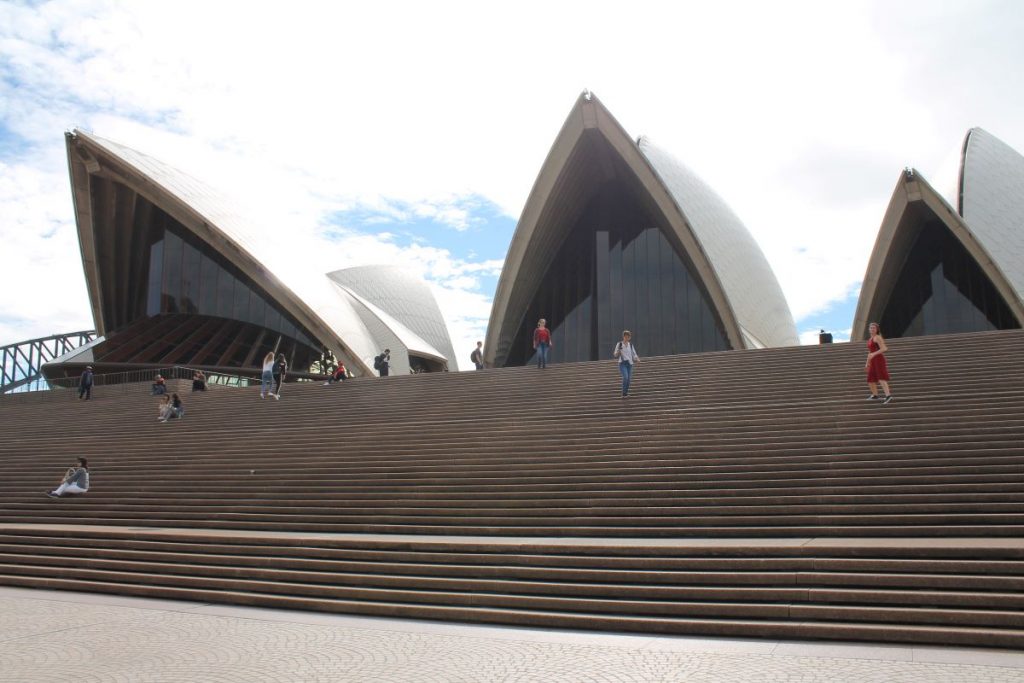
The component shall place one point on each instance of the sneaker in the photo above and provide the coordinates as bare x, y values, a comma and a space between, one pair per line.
51, 494
888, 399
277, 397
872, 397
326, 383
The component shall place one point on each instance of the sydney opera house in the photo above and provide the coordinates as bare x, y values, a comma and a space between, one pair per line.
616, 233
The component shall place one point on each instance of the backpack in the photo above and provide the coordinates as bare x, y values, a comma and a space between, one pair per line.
378, 362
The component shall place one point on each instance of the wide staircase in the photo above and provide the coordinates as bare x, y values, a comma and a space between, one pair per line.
742, 493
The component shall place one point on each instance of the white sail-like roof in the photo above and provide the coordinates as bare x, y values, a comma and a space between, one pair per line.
332, 316
991, 201
988, 222
405, 298
739, 264
591, 147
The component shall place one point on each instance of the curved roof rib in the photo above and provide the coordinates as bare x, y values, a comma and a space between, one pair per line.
592, 146
896, 237
212, 218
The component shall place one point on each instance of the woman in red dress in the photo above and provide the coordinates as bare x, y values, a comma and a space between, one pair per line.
878, 371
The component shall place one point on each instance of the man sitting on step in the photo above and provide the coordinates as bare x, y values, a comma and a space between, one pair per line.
76, 481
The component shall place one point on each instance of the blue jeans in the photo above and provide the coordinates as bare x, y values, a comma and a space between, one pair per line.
267, 383
627, 374
542, 354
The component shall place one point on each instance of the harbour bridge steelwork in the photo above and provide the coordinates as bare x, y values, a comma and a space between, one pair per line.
23, 361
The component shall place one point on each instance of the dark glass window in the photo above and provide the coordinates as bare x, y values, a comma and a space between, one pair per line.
208, 286
156, 273
190, 280
187, 276
173, 246
618, 270
942, 290
225, 294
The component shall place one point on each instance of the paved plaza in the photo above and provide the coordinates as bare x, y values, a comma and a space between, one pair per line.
58, 636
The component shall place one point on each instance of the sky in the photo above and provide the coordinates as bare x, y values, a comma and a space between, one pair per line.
411, 133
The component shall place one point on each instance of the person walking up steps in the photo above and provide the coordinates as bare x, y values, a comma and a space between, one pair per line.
542, 342
85, 383
628, 357
280, 370
267, 378
876, 367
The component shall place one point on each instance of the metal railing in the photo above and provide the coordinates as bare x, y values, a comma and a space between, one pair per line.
21, 363
133, 382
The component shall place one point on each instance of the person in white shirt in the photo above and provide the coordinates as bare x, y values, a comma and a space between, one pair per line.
267, 384
628, 357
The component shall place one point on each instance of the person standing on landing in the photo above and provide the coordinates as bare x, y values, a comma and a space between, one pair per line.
628, 357
878, 371
267, 378
542, 342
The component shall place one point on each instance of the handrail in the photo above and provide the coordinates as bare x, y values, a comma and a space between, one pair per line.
128, 381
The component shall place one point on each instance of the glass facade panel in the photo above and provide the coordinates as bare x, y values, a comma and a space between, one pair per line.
617, 270
173, 246
208, 286
942, 290
156, 274
190, 280
187, 276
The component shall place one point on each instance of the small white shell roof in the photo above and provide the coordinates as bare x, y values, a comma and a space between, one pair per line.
404, 298
750, 285
991, 202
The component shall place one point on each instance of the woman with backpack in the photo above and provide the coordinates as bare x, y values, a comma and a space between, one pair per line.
628, 357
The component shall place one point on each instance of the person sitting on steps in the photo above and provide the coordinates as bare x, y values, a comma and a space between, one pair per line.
75, 482
339, 375
159, 386
171, 408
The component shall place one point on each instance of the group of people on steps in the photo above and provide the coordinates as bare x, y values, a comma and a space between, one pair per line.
875, 366
76, 479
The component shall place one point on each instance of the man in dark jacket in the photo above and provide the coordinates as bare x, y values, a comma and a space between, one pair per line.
85, 384
383, 363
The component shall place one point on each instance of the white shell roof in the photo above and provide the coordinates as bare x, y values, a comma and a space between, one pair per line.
991, 202
403, 298
749, 283
321, 298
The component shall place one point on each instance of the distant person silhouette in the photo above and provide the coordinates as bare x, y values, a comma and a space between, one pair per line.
478, 356
280, 370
